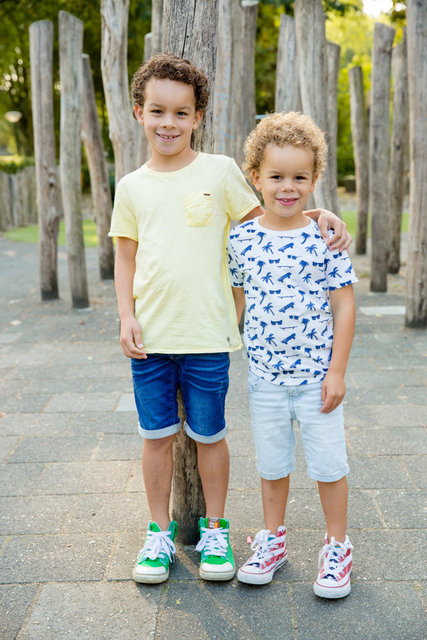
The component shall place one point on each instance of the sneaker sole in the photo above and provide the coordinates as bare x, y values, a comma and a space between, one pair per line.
259, 578
216, 576
331, 593
150, 578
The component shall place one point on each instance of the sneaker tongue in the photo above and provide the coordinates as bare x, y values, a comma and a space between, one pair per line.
213, 523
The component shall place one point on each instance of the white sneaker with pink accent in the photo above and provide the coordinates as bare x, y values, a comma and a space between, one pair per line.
335, 562
270, 554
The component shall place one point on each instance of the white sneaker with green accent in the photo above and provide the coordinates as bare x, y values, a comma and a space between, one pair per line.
156, 555
216, 562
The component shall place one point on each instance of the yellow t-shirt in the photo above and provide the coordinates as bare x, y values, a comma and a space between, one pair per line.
181, 221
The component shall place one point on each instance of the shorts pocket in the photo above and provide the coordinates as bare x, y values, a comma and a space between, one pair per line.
198, 208
253, 381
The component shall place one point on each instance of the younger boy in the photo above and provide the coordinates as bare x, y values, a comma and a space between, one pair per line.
171, 218
298, 333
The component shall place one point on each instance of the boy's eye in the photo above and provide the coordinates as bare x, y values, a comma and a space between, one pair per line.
182, 113
300, 177
277, 177
157, 111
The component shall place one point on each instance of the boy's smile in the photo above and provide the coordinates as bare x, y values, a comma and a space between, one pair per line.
285, 179
169, 117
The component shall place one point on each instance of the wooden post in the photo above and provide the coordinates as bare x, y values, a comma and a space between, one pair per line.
189, 30
48, 207
99, 180
156, 27
416, 289
399, 151
379, 154
332, 67
359, 133
143, 150
114, 18
6, 219
310, 45
71, 76
287, 82
222, 98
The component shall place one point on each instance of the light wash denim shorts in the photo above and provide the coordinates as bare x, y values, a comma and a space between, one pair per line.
273, 408
203, 380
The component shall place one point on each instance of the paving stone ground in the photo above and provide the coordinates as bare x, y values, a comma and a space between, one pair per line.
73, 511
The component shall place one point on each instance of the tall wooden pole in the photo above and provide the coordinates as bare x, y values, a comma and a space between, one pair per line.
71, 76
332, 67
360, 136
99, 179
379, 154
48, 206
416, 289
143, 149
287, 81
189, 30
114, 18
399, 151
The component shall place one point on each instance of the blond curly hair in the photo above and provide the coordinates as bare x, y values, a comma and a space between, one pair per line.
281, 129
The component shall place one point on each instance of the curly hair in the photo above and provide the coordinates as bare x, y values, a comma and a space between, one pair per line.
166, 66
291, 128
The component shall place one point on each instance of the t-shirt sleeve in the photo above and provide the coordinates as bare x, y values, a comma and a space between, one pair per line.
123, 220
236, 275
339, 270
239, 197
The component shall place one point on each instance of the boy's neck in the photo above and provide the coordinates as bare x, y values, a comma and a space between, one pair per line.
298, 221
159, 162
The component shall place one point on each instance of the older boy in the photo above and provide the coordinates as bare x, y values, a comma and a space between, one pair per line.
298, 333
171, 218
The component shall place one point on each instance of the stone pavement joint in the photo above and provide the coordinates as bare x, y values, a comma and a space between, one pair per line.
73, 512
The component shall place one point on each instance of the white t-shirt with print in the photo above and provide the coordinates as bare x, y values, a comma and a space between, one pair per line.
288, 321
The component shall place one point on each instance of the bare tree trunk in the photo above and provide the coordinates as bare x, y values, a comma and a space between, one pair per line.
115, 15
222, 98
399, 151
310, 45
332, 66
416, 289
287, 81
143, 146
6, 219
71, 76
359, 132
156, 27
48, 208
189, 30
379, 154
100, 183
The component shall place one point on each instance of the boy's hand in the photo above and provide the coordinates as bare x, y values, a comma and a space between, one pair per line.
131, 339
341, 239
333, 392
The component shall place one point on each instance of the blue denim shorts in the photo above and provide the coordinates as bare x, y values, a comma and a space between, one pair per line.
203, 379
273, 409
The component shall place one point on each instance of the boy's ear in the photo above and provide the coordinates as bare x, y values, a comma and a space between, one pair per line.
197, 119
255, 179
313, 184
138, 111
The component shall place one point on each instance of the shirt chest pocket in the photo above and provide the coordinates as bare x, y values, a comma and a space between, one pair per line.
198, 208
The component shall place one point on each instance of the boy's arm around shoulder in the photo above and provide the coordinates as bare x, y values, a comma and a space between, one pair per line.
343, 310
239, 301
124, 272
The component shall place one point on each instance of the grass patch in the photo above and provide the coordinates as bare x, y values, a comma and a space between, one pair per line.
31, 234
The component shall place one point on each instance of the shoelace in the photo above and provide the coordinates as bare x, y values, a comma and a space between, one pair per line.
262, 547
333, 558
158, 543
213, 541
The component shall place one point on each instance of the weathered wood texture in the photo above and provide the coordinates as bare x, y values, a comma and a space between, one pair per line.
189, 30
114, 19
156, 27
287, 96
48, 206
6, 219
143, 151
71, 77
399, 151
379, 154
224, 131
332, 67
360, 136
310, 45
99, 180
416, 289
188, 499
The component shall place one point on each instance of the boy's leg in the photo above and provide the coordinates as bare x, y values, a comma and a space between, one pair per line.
334, 498
274, 499
157, 468
214, 468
